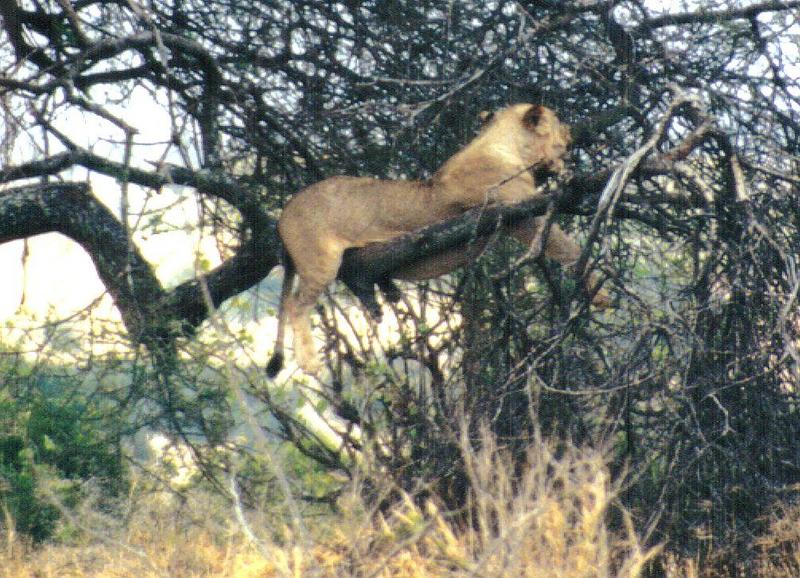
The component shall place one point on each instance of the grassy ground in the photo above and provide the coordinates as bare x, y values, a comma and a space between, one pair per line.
550, 524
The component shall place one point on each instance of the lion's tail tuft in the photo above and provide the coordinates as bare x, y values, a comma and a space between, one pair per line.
276, 361
275, 364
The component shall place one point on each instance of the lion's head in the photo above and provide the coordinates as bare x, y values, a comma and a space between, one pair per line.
539, 139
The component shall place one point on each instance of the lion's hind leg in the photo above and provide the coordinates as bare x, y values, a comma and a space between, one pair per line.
364, 290
300, 318
313, 278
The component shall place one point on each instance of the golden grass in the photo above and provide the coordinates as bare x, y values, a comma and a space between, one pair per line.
549, 522
779, 547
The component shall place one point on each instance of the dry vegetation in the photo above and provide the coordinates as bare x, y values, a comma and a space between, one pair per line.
552, 521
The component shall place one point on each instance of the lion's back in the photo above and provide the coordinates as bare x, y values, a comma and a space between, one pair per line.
357, 210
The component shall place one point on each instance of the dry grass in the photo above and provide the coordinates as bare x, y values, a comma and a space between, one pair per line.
548, 522
779, 548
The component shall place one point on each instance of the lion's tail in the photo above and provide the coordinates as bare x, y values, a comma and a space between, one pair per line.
276, 361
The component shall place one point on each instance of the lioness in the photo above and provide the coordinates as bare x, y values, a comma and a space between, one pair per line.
323, 220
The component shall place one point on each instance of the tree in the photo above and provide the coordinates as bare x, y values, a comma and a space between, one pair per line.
686, 130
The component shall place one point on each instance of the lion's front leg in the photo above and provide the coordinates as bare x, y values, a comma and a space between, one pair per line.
562, 248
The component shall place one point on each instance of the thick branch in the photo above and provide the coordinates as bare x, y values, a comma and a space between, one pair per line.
379, 260
151, 315
251, 263
70, 209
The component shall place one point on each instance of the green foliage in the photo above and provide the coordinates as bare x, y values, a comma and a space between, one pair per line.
18, 490
64, 436
50, 433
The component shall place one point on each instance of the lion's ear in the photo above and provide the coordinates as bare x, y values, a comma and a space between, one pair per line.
486, 116
533, 116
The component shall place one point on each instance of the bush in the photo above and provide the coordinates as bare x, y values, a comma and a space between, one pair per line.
47, 437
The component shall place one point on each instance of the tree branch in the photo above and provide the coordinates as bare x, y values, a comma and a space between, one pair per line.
12, 23
379, 260
151, 315
212, 182
715, 16
70, 209
252, 262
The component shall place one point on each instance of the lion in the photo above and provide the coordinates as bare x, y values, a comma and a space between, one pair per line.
323, 220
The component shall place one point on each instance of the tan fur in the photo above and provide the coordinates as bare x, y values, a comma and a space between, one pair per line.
323, 220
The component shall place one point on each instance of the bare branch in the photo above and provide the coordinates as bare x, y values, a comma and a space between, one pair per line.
150, 313
716, 16
70, 209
